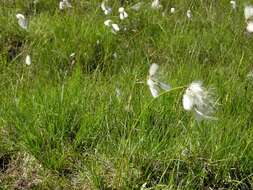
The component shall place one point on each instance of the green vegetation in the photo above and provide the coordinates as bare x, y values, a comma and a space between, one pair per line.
65, 127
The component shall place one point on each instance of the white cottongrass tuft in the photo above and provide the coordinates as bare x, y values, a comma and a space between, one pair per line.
249, 27
172, 10
72, 54
199, 100
189, 14
154, 84
28, 60
64, 4
108, 22
115, 27
107, 10
23, 23
122, 13
233, 4
156, 4
248, 12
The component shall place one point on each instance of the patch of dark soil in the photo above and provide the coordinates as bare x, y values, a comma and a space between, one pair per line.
238, 180
14, 48
4, 162
241, 177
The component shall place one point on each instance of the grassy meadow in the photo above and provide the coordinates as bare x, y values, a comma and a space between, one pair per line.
95, 125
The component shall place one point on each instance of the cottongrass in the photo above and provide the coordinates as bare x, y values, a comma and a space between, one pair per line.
172, 10
249, 27
122, 13
189, 14
199, 100
153, 82
248, 14
114, 27
22, 21
233, 4
156, 4
28, 60
64, 4
107, 10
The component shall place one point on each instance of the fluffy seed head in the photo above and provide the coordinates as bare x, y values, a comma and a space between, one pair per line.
153, 69
22, 21
249, 27
64, 4
72, 55
233, 4
108, 22
28, 60
153, 82
115, 27
121, 9
248, 12
188, 102
153, 87
107, 10
189, 14
20, 16
122, 13
199, 100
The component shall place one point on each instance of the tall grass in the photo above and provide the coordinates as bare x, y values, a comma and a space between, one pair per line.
70, 130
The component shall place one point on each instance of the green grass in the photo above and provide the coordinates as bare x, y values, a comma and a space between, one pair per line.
71, 131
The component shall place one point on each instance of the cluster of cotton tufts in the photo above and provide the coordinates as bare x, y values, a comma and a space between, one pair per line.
64, 4
107, 10
199, 100
248, 14
122, 13
23, 23
154, 84
156, 4
115, 28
